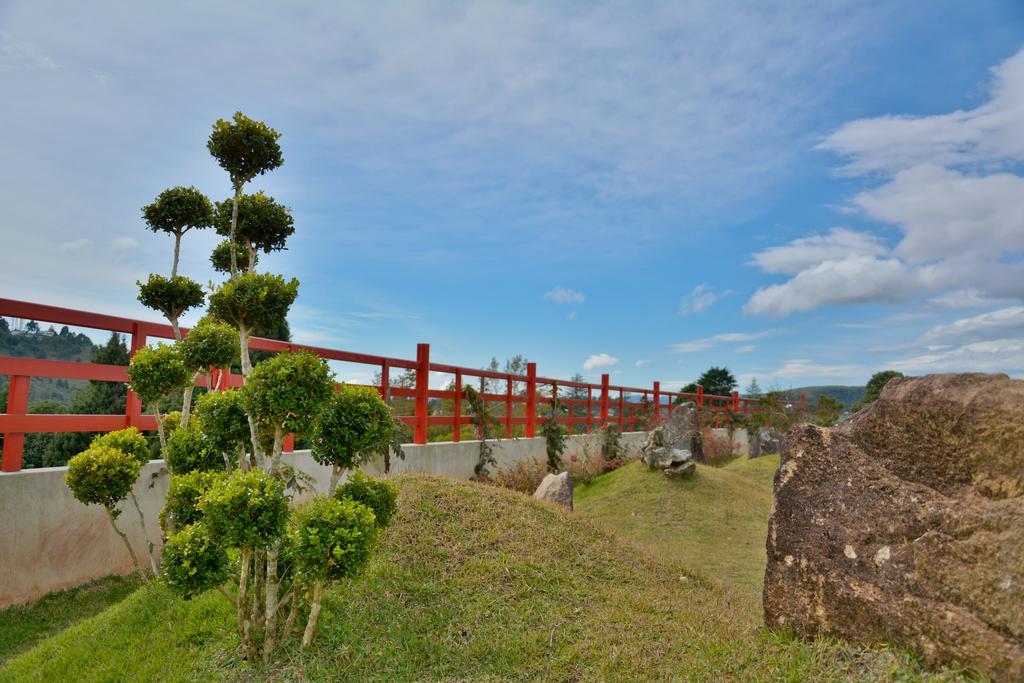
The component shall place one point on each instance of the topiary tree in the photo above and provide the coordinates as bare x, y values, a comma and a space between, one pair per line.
248, 510
188, 451
195, 562
171, 296
183, 496
354, 423
176, 211
329, 539
131, 442
245, 149
155, 372
103, 475
220, 258
262, 225
225, 425
284, 394
210, 344
379, 496
252, 301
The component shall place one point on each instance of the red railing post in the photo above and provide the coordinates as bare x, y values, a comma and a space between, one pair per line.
422, 387
657, 404
508, 408
14, 442
385, 382
622, 409
531, 400
590, 407
133, 404
457, 408
604, 399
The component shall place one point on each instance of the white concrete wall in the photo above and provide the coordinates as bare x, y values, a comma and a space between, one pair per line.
49, 541
740, 441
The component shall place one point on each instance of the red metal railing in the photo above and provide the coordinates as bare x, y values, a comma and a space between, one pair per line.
583, 414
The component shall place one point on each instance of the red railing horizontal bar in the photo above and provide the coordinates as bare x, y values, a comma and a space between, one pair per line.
70, 423
64, 369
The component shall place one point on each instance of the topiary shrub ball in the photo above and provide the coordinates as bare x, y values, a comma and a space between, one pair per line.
246, 509
130, 441
193, 562
102, 475
330, 538
379, 496
188, 451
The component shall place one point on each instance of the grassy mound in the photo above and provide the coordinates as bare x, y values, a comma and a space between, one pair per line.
472, 582
714, 523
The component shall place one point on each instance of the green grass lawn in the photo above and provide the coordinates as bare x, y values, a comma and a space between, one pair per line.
474, 582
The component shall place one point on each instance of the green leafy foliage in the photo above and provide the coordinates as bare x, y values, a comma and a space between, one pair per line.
171, 421
611, 443
717, 381
263, 224
193, 562
875, 385
379, 496
554, 440
102, 475
130, 441
826, 411
183, 495
171, 296
156, 371
246, 509
188, 451
288, 391
244, 148
177, 210
330, 538
210, 344
220, 258
254, 300
353, 423
223, 419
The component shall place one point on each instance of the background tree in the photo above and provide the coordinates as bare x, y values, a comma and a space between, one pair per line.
874, 387
753, 390
717, 381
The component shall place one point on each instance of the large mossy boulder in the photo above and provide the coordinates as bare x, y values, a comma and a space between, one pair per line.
906, 524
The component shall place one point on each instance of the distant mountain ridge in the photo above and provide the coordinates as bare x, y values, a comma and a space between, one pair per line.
846, 395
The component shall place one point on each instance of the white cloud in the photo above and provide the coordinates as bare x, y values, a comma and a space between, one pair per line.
943, 189
995, 355
855, 279
600, 360
642, 363
989, 133
700, 299
798, 369
749, 348
571, 315
944, 213
992, 325
724, 338
124, 243
807, 252
75, 246
15, 54
562, 295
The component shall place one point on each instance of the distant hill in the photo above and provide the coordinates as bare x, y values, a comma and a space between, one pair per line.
35, 342
848, 396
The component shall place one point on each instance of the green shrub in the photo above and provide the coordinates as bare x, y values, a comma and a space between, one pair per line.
193, 562
130, 441
379, 496
245, 148
183, 494
246, 509
102, 475
171, 421
221, 257
554, 441
330, 538
254, 300
288, 391
354, 423
188, 451
210, 344
156, 371
224, 422
263, 224
171, 296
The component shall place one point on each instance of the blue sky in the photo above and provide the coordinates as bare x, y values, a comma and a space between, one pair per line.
804, 192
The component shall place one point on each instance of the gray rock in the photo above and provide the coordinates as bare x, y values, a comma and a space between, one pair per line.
556, 488
670, 447
765, 441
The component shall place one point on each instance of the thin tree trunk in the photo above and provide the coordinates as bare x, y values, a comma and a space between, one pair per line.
155, 407
244, 625
234, 226
259, 569
336, 473
177, 251
175, 328
293, 612
314, 612
142, 525
252, 260
127, 544
186, 401
275, 459
270, 634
